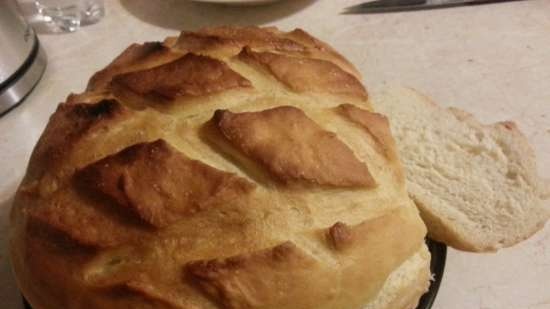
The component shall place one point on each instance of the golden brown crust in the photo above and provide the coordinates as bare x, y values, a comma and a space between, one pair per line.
306, 74
196, 42
234, 39
129, 203
84, 222
293, 147
70, 124
321, 50
159, 184
229, 41
376, 125
153, 295
340, 236
248, 280
135, 57
235, 283
393, 236
191, 75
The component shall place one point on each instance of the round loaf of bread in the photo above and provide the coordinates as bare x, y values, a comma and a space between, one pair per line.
227, 168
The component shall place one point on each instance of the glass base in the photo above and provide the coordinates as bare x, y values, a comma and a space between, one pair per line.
69, 15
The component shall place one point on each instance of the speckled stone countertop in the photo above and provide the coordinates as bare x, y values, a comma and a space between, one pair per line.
491, 60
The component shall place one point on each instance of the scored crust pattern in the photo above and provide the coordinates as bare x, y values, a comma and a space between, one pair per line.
266, 182
150, 180
293, 147
190, 75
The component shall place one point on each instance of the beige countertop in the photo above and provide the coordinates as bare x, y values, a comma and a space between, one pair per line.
492, 60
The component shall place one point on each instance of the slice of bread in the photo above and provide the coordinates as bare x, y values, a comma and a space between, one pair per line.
476, 185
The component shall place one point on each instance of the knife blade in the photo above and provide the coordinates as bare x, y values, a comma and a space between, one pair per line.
385, 6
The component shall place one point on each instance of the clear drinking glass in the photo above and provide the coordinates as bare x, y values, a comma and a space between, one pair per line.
69, 15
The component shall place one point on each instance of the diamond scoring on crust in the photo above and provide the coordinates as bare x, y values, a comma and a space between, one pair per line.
376, 125
231, 40
70, 124
127, 196
293, 148
189, 76
135, 57
306, 74
249, 280
90, 223
160, 184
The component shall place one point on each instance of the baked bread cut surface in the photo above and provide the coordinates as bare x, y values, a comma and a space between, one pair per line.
226, 168
476, 185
